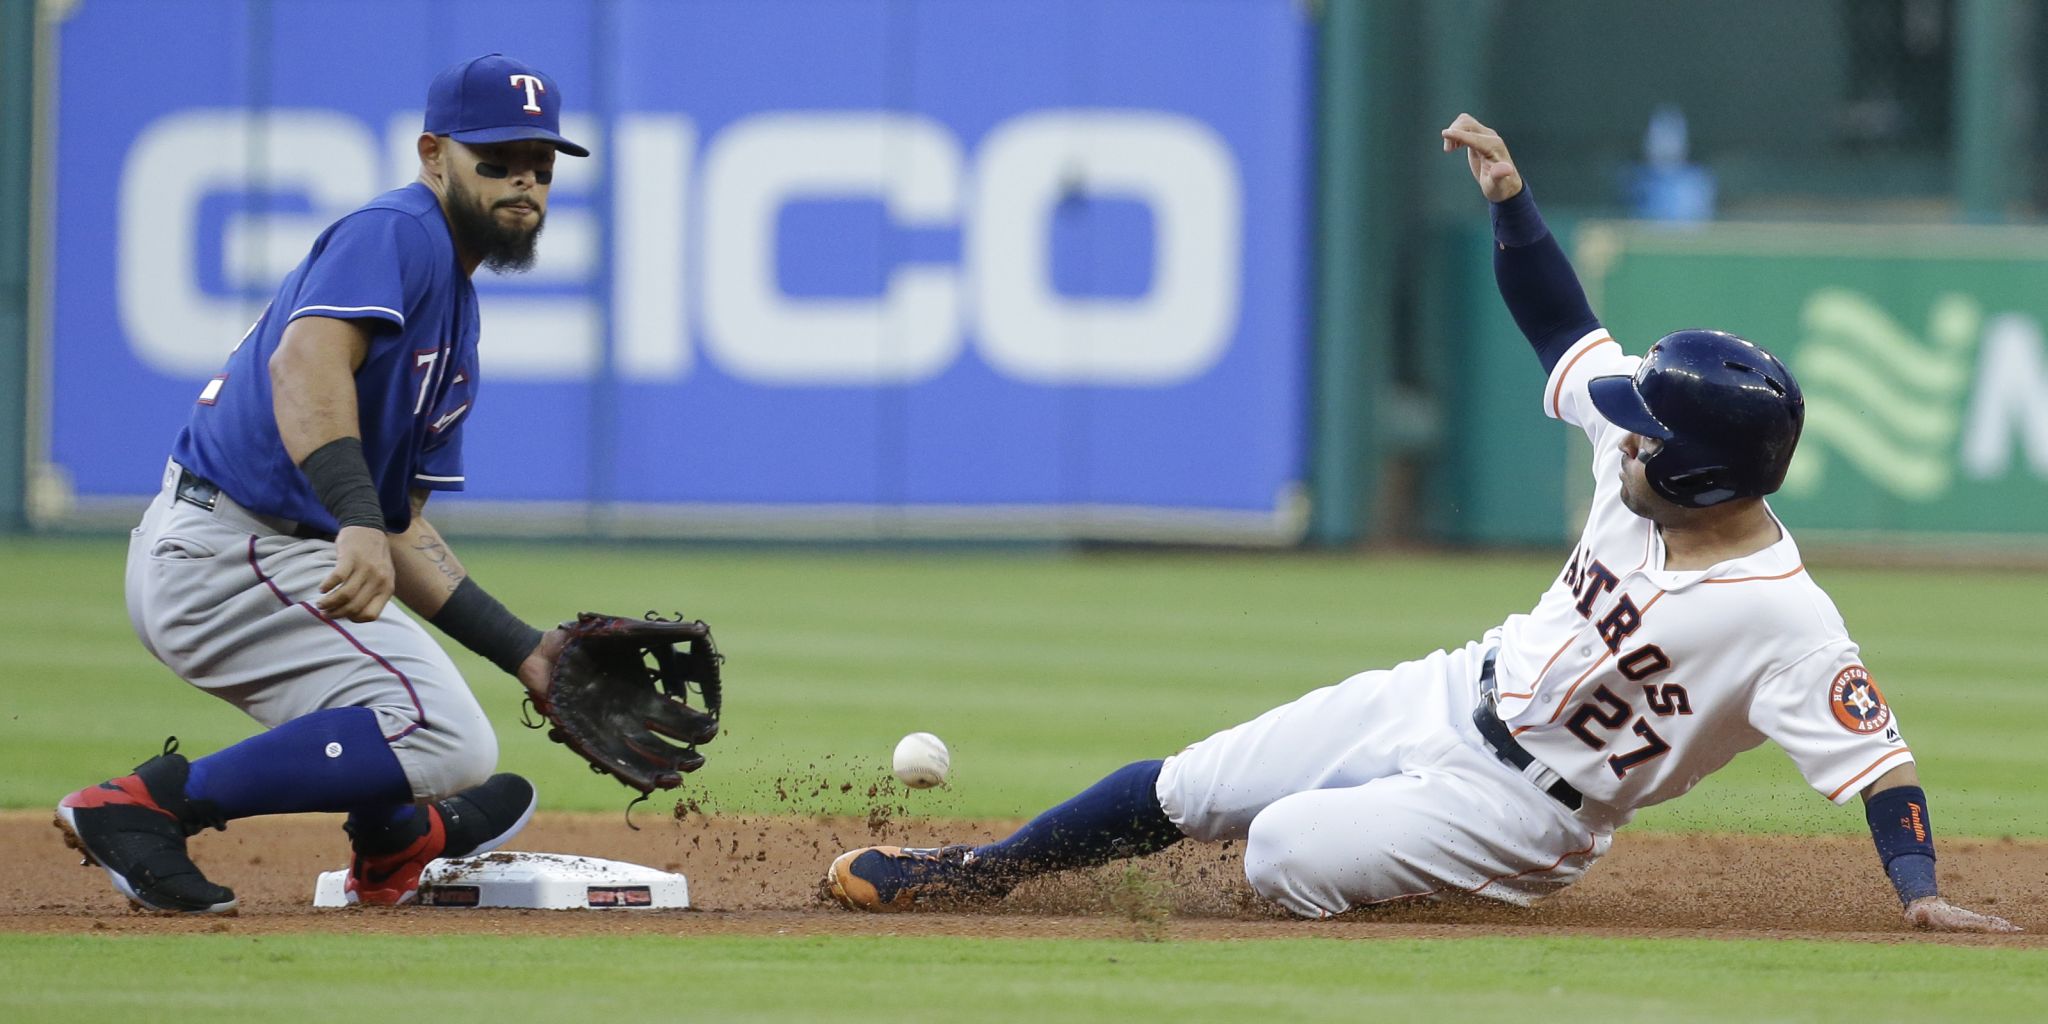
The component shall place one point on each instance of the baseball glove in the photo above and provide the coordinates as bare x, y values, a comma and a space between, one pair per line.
619, 696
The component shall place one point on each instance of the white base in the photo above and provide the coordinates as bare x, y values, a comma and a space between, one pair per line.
532, 881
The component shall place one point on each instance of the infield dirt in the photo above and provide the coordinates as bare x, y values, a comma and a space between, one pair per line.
760, 875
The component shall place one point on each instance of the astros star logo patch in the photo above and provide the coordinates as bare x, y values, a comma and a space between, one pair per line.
1856, 702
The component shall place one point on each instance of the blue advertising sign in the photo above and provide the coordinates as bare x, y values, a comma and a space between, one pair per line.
1034, 262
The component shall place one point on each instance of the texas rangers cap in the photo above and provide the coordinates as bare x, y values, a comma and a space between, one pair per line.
494, 98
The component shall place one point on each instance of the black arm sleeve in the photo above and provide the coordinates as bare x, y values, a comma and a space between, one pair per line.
342, 481
1536, 280
477, 621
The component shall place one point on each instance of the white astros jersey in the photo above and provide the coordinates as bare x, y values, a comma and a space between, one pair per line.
1630, 681
1634, 682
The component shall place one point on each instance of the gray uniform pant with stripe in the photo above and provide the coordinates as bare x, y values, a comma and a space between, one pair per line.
224, 598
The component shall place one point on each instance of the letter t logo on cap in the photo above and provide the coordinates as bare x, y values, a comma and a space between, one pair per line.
533, 87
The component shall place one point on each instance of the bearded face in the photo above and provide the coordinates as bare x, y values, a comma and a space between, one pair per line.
504, 233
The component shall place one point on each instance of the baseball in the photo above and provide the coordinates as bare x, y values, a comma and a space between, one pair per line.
922, 760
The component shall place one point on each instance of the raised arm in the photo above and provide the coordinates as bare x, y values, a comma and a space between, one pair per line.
1896, 808
1535, 278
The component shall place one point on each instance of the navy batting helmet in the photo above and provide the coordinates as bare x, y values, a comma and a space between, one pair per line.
1726, 413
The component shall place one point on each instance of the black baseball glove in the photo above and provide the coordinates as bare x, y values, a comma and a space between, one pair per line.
619, 696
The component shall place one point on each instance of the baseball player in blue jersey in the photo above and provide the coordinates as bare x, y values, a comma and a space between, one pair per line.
1682, 630
291, 514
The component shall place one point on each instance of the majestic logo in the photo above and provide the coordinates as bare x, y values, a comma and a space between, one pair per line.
1856, 702
533, 86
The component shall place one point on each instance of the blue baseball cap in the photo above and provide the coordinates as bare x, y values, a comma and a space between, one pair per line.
494, 98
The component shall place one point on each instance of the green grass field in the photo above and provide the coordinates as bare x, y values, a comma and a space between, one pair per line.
349, 979
1042, 671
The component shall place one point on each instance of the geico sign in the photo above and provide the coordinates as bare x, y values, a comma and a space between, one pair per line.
684, 227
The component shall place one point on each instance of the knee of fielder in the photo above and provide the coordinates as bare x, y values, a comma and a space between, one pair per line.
448, 757
473, 763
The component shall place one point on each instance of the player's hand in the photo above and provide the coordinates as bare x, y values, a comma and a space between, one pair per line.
1488, 155
1936, 914
362, 580
539, 666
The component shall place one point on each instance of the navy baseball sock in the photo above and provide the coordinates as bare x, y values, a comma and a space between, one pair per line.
1117, 817
382, 819
334, 759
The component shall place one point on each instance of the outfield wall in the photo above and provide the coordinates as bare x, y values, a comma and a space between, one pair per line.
17, 283
1920, 351
1062, 269
838, 269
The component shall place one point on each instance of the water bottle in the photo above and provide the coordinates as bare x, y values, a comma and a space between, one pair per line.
1667, 187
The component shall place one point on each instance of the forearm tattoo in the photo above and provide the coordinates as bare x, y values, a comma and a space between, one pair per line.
436, 551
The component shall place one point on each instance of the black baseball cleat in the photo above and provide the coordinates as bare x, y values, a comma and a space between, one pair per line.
135, 828
387, 865
892, 878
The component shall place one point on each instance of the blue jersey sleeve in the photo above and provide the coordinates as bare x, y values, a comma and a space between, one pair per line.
440, 467
364, 268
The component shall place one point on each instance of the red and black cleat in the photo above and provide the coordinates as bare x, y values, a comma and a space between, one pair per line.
387, 865
135, 828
